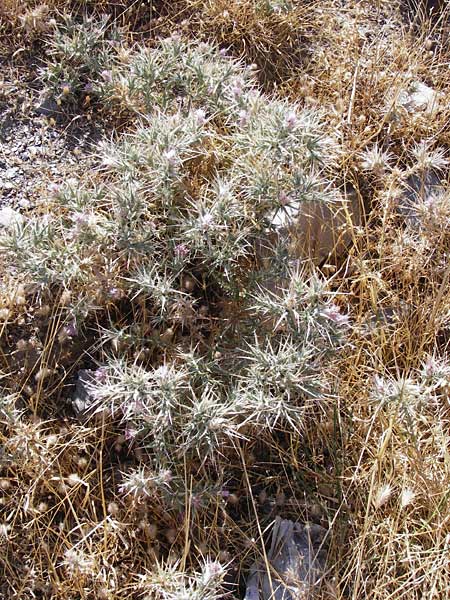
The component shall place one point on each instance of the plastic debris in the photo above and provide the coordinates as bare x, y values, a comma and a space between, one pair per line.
297, 563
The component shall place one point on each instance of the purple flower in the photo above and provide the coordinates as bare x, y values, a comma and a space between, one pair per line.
130, 434
81, 219
71, 330
333, 313
166, 476
243, 118
138, 407
237, 90
284, 199
181, 251
431, 368
100, 374
291, 121
107, 75
196, 502
115, 293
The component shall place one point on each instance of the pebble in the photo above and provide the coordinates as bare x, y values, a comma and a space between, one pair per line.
418, 97
9, 217
11, 173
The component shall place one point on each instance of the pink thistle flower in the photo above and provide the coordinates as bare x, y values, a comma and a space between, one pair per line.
284, 199
172, 158
101, 374
107, 75
71, 330
130, 434
291, 121
332, 312
237, 89
243, 118
181, 251
115, 293
200, 116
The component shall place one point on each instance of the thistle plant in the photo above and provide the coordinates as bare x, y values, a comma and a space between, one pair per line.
305, 309
179, 73
132, 390
406, 397
81, 53
177, 372
193, 193
275, 390
189, 176
170, 583
141, 483
211, 423
175, 257
78, 563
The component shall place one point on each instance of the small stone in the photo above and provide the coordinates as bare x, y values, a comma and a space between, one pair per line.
48, 108
10, 217
82, 399
418, 97
11, 172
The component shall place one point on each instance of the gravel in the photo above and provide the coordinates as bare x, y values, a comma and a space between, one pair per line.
37, 150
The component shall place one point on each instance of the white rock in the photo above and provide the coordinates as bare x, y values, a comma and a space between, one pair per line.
418, 97
10, 217
11, 172
324, 230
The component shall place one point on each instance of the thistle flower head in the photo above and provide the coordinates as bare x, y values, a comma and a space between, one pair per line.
428, 158
200, 115
143, 483
333, 313
376, 160
407, 497
291, 120
382, 496
78, 563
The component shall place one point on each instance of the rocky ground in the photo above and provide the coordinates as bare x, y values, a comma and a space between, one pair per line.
40, 147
